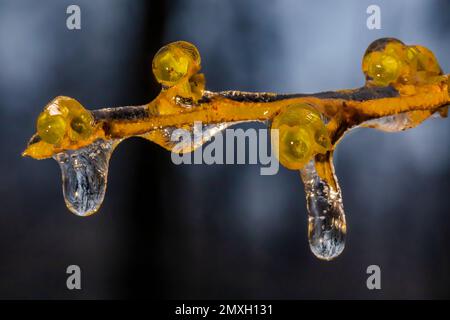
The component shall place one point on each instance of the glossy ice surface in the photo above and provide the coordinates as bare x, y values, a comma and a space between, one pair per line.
404, 86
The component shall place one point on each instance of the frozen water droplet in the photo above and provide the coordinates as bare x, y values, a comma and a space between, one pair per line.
84, 176
326, 218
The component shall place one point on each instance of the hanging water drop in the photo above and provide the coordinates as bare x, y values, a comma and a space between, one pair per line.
84, 176
326, 219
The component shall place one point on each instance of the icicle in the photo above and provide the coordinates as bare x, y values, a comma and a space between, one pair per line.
326, 219
84, 176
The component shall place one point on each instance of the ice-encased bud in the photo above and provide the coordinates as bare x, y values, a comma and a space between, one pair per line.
175, 61
301, 134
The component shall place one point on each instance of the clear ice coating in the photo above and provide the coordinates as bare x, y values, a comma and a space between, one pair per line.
393, 123
326, 218
84, 176
198, 133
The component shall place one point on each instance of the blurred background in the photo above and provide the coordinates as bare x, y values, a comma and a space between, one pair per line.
205, 232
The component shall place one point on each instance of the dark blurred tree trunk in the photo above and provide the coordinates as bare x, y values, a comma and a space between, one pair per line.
142, 277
